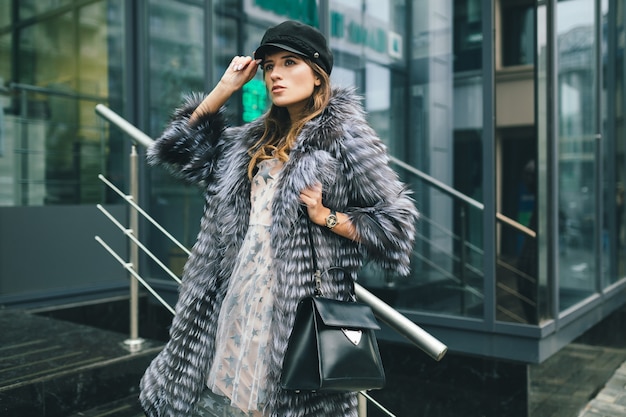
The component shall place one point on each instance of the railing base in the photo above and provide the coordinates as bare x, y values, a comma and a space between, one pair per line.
134, 345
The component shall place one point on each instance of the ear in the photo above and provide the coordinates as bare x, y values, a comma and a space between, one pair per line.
318, 82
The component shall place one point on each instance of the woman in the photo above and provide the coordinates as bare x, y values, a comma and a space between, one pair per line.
311, 158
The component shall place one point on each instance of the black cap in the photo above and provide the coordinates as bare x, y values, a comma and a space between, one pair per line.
299, 38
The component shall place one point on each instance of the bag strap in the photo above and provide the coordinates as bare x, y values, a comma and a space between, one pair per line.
317, 275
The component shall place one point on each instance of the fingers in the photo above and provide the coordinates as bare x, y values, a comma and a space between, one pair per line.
313, 191
239, 63
241, 70
312, 196
306, 200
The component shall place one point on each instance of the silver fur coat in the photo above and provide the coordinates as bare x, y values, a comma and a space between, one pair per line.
339, 150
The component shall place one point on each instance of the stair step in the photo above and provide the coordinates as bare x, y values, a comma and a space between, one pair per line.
53, 368
126, 407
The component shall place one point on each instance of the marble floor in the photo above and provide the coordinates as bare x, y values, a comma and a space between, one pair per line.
55, 368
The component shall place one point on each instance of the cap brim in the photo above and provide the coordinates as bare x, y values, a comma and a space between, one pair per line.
262, 50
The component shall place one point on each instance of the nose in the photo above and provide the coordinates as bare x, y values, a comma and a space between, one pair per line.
275, 75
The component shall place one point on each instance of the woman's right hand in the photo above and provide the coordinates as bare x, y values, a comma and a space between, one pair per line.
241, 70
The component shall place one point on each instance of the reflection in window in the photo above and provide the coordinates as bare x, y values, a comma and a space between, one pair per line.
518, 33
367, 38
62, 71
176, 40
377, 98
176, 56
444, 140
468, 35
5, 12
575, 31
614, 154
31, 8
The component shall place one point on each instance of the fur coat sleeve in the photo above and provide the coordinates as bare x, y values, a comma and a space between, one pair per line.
365, 187
189, 152
337, 149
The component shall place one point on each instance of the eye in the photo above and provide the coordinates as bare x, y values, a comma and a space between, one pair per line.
268, 67
289, 62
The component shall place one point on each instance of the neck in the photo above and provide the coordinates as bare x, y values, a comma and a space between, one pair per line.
295, 112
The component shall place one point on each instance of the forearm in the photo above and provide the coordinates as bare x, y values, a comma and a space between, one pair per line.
344, 226
187, 151
211, 103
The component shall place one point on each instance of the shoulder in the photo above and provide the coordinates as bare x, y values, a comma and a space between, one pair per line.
342, 118
345, 105
345, 111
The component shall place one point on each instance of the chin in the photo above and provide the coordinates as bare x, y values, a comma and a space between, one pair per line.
281, 102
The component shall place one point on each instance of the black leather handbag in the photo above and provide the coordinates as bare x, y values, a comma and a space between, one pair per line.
332, 347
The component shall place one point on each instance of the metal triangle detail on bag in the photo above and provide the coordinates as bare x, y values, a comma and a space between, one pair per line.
353, 336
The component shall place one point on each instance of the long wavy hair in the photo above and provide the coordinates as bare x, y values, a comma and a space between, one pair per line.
281, 132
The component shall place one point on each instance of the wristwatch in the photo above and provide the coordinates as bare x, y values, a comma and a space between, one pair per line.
331, 219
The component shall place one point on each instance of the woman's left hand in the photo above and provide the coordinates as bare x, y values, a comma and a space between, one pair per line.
312, 199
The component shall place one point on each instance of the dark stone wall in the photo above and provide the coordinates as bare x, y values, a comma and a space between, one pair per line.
456, 386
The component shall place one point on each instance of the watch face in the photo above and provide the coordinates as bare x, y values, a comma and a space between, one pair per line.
331, 221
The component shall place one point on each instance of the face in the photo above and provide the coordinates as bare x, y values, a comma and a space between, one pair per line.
290, 81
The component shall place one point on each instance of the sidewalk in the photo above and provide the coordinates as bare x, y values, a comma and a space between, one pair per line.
611, 400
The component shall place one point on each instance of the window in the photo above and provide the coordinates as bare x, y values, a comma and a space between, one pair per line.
518, 28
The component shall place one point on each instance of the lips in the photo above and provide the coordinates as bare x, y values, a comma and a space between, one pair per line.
277, 88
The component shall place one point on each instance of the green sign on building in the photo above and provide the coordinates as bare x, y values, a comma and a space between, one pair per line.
254, 100
302, 10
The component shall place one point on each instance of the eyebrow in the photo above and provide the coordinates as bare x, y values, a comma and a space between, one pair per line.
289, 55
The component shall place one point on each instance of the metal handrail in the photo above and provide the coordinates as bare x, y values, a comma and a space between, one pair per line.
52, 92
129, 267
129, 233
460, 196
136, 135
423, 340
130, 200
402, 324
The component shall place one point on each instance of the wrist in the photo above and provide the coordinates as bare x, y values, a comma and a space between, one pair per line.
224, 89
216, 99
319, 217
331, 220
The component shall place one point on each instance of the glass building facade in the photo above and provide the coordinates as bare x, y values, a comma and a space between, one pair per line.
506, 118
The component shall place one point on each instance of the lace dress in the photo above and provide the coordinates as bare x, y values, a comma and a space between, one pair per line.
239, 367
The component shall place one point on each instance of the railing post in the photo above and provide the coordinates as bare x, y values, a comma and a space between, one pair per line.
362, 406
463, 256
22, 168
134, 343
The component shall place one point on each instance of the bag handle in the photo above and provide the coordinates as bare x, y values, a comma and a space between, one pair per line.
317, 275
